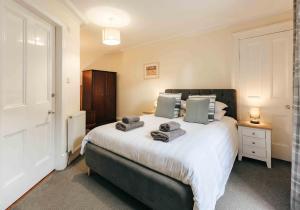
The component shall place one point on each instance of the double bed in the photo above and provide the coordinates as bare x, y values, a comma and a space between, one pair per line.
187, 173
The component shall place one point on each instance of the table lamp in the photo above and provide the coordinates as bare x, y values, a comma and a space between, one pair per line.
254, 115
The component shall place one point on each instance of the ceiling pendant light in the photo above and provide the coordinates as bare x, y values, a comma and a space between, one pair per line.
111, 36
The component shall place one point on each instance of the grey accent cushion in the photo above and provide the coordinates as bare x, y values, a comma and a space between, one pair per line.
197, 110
177, 96
212, 101
165, 107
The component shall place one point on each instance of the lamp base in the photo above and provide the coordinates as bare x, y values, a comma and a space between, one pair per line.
254, 121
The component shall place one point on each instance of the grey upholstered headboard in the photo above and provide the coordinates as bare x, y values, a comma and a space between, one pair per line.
227, 96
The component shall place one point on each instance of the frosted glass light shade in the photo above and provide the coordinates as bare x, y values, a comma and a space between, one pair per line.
254, 115
111, 36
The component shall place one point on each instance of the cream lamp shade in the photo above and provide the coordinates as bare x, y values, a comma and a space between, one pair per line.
254, 115
111, 36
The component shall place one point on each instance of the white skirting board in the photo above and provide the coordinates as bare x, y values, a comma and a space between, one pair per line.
76, 132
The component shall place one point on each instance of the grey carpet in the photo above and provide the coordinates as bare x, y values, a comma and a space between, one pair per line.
251, 186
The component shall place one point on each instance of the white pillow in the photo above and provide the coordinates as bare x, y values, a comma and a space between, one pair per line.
183, 104
219, 115
219, 106
182, 112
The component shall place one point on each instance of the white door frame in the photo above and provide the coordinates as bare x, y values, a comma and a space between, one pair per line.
60, 145
270, 29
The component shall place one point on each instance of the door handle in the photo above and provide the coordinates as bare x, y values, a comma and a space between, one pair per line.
50, 112
287, 106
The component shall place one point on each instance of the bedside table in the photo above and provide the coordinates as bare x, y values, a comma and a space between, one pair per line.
149, 112
255, 141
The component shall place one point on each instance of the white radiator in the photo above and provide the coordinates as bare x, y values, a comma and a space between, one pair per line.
76, 131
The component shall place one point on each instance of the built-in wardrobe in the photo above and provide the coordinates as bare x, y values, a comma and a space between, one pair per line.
99, 97
263, 79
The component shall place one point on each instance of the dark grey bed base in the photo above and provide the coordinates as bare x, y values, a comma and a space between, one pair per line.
150, 187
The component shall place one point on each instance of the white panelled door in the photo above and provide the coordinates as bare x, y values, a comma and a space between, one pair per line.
27, 121
265, 80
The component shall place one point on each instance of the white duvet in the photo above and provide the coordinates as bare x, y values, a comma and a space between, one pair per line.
202, 158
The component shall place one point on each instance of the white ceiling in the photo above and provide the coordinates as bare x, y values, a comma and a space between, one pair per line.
152, 20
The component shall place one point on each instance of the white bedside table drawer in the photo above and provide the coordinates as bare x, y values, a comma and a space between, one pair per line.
258, 133
254, 151
257, 142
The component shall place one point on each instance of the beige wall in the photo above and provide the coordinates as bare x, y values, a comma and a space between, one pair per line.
70, 91
194, 61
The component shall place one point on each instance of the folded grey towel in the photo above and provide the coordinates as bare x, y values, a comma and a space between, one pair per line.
169, 126
127, 127
167, 136
130, 119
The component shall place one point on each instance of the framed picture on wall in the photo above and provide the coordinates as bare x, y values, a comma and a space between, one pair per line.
151, 71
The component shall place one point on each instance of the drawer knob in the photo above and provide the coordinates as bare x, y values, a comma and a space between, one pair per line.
253, 152
253, 142
253, 133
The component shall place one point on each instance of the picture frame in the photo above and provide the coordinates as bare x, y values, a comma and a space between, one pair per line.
151, 70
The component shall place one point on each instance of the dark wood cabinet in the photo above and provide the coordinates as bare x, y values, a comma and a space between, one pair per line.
99, 97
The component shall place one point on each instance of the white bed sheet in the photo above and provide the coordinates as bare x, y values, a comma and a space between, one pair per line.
202, 158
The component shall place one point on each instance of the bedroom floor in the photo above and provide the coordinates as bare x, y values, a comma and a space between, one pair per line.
251, 186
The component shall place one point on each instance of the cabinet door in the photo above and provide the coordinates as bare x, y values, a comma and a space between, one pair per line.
99, 96
110, 102
87, 97
87, 90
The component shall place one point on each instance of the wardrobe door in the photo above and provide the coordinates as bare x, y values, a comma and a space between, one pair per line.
265, 81
87, 97
110, 102
87, 90
99, 96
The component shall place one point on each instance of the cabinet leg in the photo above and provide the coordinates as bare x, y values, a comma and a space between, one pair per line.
240, 157
269, 148
269, 164
89, 172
